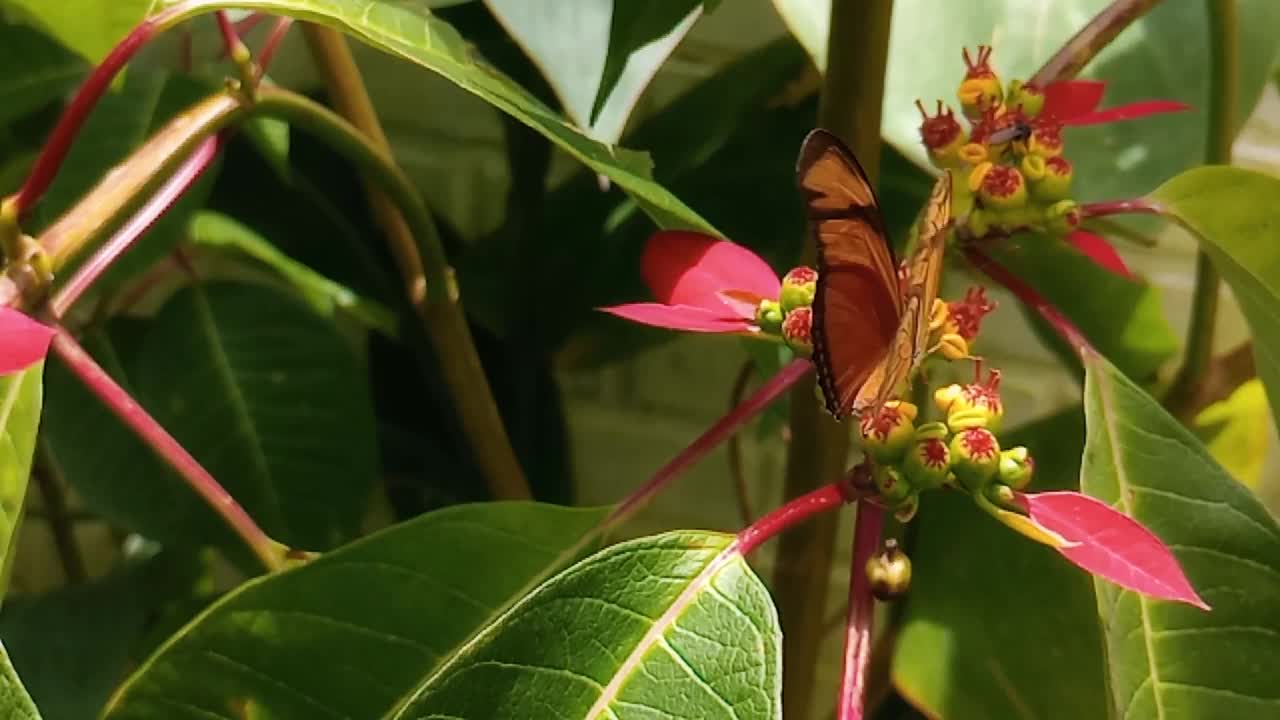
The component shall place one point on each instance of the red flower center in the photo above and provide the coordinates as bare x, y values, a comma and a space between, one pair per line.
1002, 181
985, 394
801, 275
980, 444
880, 425
1057, 165
798, 325
979, 66
968, 313
933, 452
1048, 133
938, 130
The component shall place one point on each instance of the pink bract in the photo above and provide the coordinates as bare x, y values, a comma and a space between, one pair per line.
1099, 251
1112, 545
1075, 102
23, 341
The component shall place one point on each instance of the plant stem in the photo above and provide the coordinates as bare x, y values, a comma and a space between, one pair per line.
827, 497
432, 296
857, 644
785, 378
1136, 206
129, 233
50, 481
272, 43
119, 402
1090, 40
1224, 89
1032, 299
850, 107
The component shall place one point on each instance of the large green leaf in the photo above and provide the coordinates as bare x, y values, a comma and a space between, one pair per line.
1169, 660
1164, 55
89, 28
1236, 216
410, 31
675, 625
15, 703
991, 614
603, 59
350, 633
269, 397
34, 71
20, 397
1122, 318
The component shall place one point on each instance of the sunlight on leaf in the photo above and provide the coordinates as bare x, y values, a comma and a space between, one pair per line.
1238, 431
21, 395
15, 703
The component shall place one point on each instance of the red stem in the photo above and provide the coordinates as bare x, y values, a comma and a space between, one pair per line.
272, 43
857, 644
1032, 299
159, 440
827, 497
1140, 206
139, 224
230, 37
248, 23
716, 434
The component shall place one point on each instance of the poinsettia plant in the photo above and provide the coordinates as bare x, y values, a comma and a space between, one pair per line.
328, 336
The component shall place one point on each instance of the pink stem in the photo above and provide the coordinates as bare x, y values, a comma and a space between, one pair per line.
1139, 206
159, 440
827, 497
857, 644
716, 434
248, 23
1032, 299
139, 224
272, 43
230, 38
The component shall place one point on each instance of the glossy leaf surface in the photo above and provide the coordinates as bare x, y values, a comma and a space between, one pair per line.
38, 71
21, 395
15, 703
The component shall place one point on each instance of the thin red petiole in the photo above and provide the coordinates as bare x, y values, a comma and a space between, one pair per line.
230, 36
130, 232
716, 434
824, 499
272, 43
123, 406
1139, 206
857, 644
1024, 292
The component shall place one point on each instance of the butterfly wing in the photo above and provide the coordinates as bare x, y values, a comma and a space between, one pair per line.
858, 304
924, 276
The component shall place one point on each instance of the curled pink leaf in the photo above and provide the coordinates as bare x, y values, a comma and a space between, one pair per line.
1100, 252
689, 268
1112, 545
1129, 112
1075, 102
680, 317
23, 341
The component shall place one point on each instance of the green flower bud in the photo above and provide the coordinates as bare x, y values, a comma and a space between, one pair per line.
798, 288
1025, 96
885, 436
769, 317
927, 463
1054, 183
894, 489
942, 136
1062, 217
981, 89
973, 405
797, 331
975, 455
1016, 467
906, 511
889, 572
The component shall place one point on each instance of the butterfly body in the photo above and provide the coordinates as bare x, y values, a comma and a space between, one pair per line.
870, 328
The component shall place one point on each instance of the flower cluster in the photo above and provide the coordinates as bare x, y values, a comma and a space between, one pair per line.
1017, 175
960, 452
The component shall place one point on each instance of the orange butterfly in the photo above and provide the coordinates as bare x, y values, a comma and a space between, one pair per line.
870, 329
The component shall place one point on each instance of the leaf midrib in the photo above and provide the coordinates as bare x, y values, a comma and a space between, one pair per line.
1122, 485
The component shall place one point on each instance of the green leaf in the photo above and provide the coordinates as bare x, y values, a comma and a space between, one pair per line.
1167, 659
326, 297
675, 625
15, 703
20, 397
990, 614
410, 31
34, 71
1162, 56
1235, 214
266, 395
89, 28
617, 48
352, 632
1123, 318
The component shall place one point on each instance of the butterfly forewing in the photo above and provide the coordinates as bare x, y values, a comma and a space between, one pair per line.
858, 305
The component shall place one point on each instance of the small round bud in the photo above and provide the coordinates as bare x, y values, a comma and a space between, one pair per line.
975, 455
974, 405
972, 154
980, 90
1054, 183
769, 317
1046, 138
1062, 217
941, 134
798, 288
886, 434
892, 486
1026, 96
927, 463
1016, 468
1032, 167
797, 331
1002, 187
906, 511
889, 572
953, 346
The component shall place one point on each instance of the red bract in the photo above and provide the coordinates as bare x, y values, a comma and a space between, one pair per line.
1111, 545
1075, 102
23, 341
1099, 251
702, 283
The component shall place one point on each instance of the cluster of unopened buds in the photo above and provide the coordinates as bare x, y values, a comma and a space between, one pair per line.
1015, 176
960, 451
